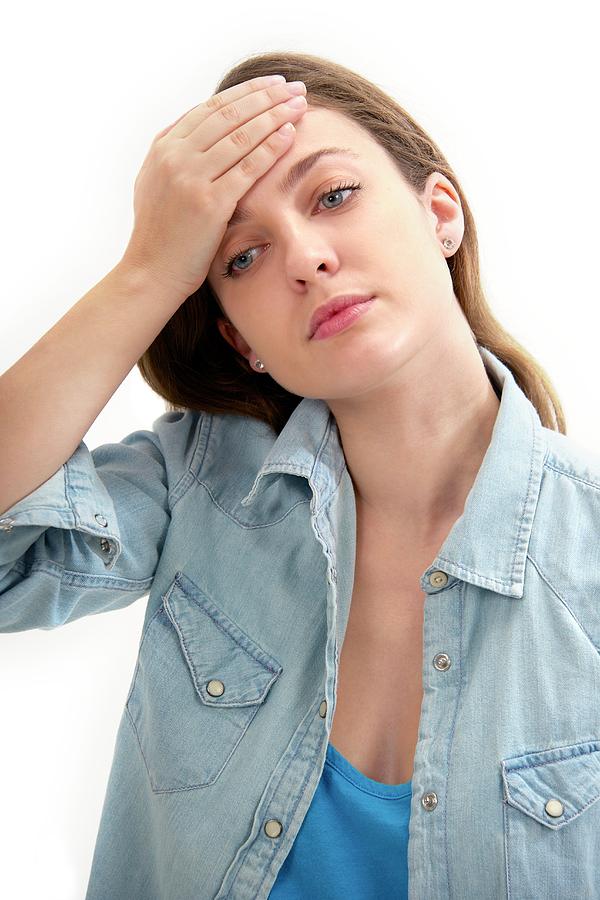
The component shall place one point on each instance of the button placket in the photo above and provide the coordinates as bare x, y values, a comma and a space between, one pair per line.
273, 827
442, 662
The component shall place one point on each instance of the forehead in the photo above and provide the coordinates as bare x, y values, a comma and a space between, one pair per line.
318, 127
316, 118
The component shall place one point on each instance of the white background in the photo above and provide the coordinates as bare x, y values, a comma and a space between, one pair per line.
507, 91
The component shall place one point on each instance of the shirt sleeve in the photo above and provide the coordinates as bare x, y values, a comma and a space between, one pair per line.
89, 539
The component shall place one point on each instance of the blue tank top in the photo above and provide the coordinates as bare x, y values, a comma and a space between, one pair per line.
352, 844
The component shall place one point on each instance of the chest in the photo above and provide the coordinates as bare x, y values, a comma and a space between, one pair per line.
379, 687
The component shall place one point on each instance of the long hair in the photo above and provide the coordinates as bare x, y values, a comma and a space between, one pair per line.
191, 365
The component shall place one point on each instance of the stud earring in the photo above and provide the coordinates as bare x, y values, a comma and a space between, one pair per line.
259, 365
448, 243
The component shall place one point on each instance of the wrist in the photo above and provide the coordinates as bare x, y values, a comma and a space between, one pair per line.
137, 281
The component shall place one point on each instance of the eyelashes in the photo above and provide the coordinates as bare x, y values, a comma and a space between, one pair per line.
334, 189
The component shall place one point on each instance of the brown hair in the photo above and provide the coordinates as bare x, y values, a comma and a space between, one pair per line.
191, 365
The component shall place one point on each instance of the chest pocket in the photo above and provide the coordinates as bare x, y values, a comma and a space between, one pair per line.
198, 683
552, 823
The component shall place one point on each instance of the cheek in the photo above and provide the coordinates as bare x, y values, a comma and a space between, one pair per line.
411, 263
264, 326
407, 236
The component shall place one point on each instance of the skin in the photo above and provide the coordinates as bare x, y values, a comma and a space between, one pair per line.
406, 384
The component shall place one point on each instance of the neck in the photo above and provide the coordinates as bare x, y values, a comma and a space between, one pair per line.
413, 447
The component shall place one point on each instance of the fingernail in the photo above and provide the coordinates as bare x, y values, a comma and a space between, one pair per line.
297, 102
274, 79
296, 87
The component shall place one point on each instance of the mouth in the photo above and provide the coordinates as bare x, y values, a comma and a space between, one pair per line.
333, 307
342, 320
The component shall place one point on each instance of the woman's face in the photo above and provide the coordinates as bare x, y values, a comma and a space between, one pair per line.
303, 249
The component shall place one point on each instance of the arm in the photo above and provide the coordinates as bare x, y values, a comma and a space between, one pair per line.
51, 396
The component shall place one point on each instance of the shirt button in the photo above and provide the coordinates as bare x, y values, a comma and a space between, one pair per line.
332, 575
273, 828
442, 662
105, 545
429, 801
438, 579
101, 520
215, 688
6, 523
554, 808
323, 709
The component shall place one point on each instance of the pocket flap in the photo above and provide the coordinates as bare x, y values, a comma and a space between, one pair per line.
553, 786
218, 652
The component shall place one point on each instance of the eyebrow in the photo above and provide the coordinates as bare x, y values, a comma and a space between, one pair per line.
296, 174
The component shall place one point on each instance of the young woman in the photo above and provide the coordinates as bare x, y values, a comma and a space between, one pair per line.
369, 662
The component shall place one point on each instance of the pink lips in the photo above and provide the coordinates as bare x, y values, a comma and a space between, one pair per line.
342, 320
333, 306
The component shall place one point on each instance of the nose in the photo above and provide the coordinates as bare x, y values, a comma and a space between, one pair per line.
308, 256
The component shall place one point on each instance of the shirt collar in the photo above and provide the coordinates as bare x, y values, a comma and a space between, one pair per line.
487, 545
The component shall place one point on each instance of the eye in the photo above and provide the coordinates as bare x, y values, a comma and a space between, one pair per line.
339, 189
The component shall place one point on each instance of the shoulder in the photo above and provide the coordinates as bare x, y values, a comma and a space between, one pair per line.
570, 462
179, 435
173, 427
566, 529
564, 543
222, 451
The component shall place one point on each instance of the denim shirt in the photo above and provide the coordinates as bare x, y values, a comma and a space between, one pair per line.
244, 542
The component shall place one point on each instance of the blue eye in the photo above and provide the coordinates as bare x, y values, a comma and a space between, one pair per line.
229, 270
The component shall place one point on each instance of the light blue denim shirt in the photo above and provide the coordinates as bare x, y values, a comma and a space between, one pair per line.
245, 543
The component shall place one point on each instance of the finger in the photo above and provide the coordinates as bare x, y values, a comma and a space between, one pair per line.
190, 120
239, 178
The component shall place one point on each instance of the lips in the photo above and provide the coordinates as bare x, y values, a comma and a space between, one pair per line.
333, 306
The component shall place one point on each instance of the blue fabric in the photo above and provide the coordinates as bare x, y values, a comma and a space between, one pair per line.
352, 844
243, 541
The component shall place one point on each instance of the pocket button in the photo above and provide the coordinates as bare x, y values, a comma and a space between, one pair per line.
215, 687
554, 808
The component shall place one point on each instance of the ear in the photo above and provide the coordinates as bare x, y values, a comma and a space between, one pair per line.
442, 204
233, 337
